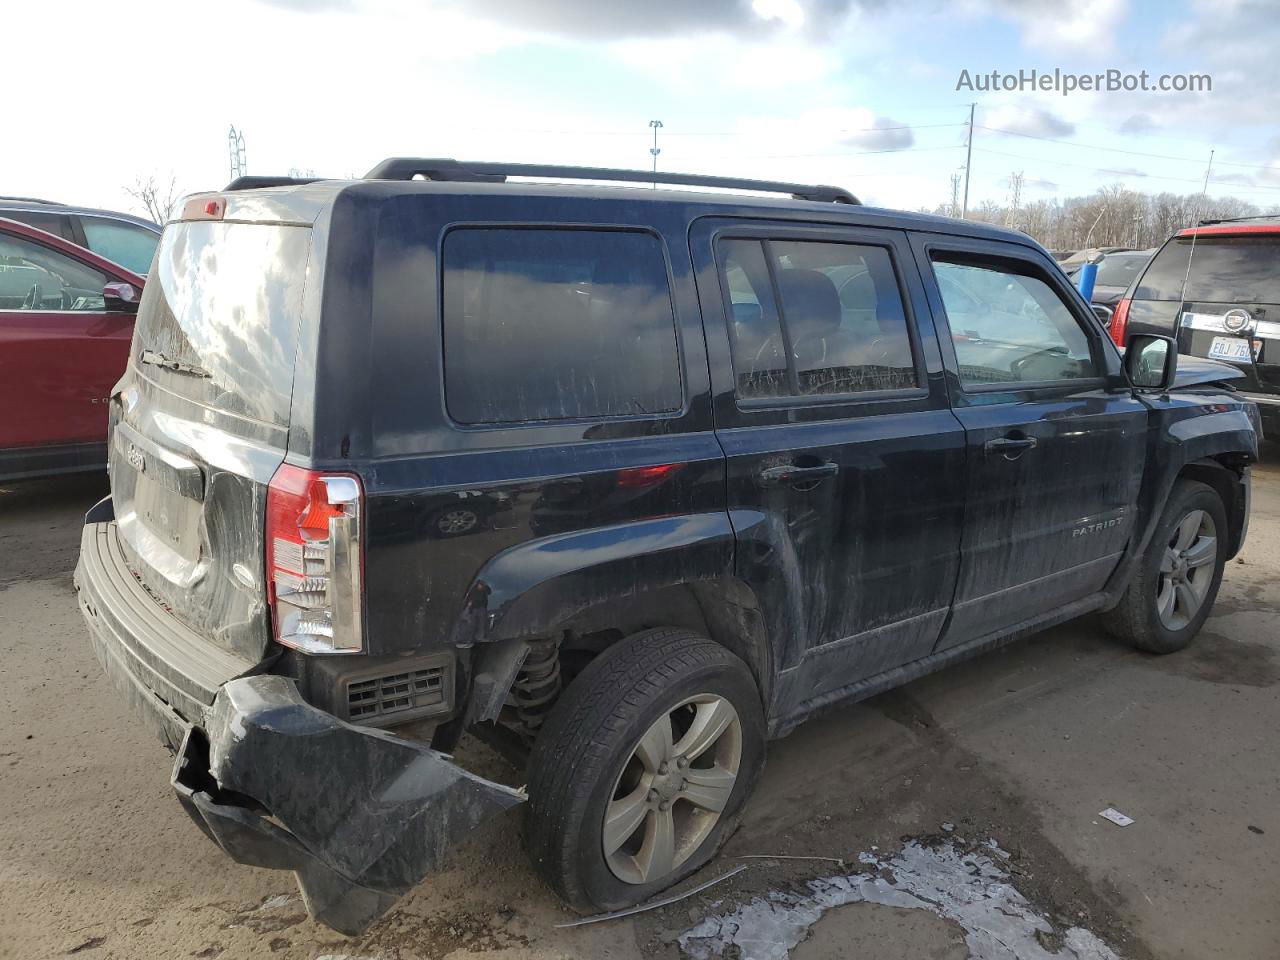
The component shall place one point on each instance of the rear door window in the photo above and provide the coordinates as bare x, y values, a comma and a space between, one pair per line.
1009, 325
1223, 270
57, 224
557, 324
815, 319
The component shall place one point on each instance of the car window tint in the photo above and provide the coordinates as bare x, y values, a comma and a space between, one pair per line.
840, 327
843, 311
1223, 270
1010, 326
1120, 269
130, 246
57, 224
34, 277
759, 354
557, 324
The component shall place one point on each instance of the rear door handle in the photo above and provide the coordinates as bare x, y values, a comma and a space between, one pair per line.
790, 473
1011, 447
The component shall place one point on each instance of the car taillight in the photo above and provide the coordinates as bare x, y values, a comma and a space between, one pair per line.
1120, 322
314, 566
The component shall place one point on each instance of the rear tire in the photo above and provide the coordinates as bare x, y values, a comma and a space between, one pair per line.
1177, 579
655, 733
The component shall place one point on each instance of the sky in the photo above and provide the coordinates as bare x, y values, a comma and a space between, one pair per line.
858, 93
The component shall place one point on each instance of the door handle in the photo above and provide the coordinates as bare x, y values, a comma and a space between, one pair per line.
794, 474
1011, 447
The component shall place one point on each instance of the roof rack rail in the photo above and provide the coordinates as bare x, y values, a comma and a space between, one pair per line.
441, 168
51, 203
248, 182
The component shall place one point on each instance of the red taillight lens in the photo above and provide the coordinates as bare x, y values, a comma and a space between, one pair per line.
204, 208
314, 569
1120, 322
632, 477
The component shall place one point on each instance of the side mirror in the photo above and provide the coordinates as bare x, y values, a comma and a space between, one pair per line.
1151, 361
121, 297
1103, 313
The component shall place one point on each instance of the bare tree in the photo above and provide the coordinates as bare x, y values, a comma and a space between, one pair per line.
155, 196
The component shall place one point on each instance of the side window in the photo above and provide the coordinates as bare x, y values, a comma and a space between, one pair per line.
1008, 325
130, 246
839, 329
57, 224
555, 324
33, 277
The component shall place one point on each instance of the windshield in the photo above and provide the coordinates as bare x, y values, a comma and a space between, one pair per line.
1223, 270
225, 298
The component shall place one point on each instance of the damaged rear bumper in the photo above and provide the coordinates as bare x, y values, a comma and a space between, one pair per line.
361, 816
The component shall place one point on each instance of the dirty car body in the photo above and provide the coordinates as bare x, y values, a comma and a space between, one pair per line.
377, 470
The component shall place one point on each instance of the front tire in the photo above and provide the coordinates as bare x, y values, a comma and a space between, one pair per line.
639, 774
1174, 587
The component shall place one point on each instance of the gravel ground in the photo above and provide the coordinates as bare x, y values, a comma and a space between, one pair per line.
1023, 746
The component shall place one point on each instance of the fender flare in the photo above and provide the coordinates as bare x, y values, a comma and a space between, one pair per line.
529, 588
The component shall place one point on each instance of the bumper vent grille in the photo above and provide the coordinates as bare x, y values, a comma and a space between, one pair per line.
396, 695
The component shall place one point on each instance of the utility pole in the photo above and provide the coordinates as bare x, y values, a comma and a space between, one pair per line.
656, 125
1015, 189
954, 209
1208, 170
968, 161
235, 147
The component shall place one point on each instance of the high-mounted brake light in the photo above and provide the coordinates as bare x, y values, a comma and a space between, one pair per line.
1120, 322
314, 569
204, 208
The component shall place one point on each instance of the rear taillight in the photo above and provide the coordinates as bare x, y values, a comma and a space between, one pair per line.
314, 567
1120, 322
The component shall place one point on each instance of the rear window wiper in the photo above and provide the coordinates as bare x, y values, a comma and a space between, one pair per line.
177, 366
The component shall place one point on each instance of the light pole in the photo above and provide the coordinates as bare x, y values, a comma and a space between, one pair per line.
656, 125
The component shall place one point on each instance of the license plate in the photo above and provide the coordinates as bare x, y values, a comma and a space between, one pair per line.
1230, 348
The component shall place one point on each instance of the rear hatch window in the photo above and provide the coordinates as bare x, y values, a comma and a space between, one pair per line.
227, 316
1221, 294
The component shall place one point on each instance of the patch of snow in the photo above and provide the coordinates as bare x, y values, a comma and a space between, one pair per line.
970, 889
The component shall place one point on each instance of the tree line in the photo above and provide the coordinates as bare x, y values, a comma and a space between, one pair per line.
1114, 216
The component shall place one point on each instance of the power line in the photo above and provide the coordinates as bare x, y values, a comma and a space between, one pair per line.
1124, 173
1132, 153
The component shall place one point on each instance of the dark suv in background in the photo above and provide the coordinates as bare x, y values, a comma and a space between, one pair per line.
1216, 288
120, 237
626, 480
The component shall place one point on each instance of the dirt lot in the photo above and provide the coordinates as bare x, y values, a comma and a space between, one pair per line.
1023, 747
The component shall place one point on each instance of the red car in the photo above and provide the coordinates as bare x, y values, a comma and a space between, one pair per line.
66, 319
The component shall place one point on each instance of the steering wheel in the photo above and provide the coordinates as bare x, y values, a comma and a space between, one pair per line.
35, 296
1018, 366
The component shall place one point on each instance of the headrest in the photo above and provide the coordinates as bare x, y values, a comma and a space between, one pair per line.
810, 302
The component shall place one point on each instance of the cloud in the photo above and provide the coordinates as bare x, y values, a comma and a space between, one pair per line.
1240, 179
1122, 171
883, 133
626, 19
1028, 121
1138, 123
1083, 26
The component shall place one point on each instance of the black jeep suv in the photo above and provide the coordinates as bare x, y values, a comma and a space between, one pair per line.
632, 480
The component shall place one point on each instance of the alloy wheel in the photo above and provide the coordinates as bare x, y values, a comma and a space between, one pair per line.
672, 789
1187, 569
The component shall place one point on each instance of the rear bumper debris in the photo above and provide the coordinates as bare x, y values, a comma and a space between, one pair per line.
360, 815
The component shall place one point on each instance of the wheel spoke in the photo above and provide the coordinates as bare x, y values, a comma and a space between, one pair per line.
623, 817
657, 856
711, 721
1164, 600
1203, 551
1188, 602
654, 748
1167, 560
709, 788
1187, 530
